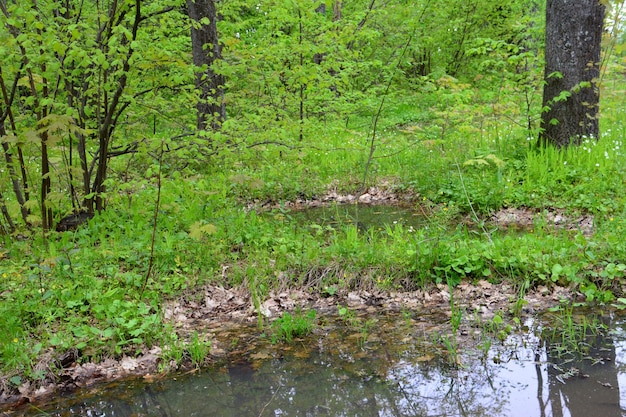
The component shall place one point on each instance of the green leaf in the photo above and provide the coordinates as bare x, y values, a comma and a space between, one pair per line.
56, 340
557, 269
198, 230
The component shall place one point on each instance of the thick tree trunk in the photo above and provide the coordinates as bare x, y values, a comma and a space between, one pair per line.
571, 96
206, 50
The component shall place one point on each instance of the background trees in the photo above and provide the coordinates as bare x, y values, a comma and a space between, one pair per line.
90, 90
73, 75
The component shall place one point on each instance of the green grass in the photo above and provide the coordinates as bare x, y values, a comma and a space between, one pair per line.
288, 326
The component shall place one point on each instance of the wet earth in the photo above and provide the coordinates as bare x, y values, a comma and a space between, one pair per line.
223, 315
386, 363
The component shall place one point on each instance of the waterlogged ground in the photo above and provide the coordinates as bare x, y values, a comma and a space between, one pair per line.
363, 217
389, 365
378, 207
372, 352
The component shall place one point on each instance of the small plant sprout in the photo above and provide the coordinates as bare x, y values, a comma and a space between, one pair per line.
290, 325
198, 349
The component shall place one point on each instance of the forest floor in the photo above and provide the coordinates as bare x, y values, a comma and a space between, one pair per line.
229, 319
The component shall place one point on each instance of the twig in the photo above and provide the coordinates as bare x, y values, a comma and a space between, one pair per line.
377, 116
154, 225
469, 201
271, 399
382, 102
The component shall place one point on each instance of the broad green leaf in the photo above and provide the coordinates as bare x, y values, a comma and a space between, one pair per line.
198, 230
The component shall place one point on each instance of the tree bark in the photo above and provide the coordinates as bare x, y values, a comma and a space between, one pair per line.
571, 96
206, 50
336, 11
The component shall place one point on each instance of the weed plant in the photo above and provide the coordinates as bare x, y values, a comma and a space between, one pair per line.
198, 350
357, 323
288, 326
570, 333
450, 340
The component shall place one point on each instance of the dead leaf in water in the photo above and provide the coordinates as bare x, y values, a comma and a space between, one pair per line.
302, 354
260, 356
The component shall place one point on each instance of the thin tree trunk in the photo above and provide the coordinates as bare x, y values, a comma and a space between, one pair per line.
336, 11
17, 188
206, 50
361, 24
571, 95
46, 184
20, 190
112, 109
7, 216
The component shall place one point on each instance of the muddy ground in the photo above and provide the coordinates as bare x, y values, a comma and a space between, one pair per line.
222, 315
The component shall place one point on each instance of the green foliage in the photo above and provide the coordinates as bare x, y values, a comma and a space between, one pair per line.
455, 131
584, 177
355, 322
173, 350
198, 349
288, 326
573, 332
347, 315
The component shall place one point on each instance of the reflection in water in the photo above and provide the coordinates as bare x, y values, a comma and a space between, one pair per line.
364, 217
389, 376
588, 387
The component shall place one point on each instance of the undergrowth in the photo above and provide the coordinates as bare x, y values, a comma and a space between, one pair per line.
82, 289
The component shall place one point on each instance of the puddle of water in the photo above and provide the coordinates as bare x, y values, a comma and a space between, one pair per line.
362, 216
391, 370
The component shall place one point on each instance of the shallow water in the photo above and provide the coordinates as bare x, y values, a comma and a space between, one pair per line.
394, 366
362, 216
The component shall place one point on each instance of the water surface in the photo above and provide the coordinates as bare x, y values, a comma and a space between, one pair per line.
394, 366
363, 216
